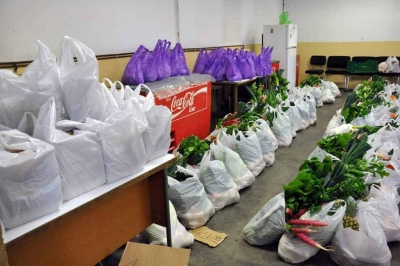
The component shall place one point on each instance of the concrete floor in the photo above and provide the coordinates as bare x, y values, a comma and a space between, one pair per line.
234, 250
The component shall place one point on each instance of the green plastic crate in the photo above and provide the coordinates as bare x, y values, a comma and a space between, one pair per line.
370, 66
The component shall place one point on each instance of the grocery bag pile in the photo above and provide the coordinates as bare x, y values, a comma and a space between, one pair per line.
210, 173
346, 192
63, 133
234, 65
323, 91
161, 63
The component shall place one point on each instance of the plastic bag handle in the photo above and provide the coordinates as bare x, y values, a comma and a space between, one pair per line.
65, 46
122, 87
46, 57
110, 83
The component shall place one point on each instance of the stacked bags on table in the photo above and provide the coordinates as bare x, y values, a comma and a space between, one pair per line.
346, 192
161, 63
234, 65
111, 133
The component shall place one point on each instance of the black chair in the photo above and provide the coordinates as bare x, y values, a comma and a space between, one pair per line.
381, 59
317, 61
337, 65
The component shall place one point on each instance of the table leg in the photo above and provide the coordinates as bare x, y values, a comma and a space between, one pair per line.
159, 202
235, 99
3, 252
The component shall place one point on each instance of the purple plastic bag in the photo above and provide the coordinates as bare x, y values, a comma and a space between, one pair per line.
213, 58
220, 70
244, 66
152, 71
232, 71
133, 73
201, 62
178, 62
164, 70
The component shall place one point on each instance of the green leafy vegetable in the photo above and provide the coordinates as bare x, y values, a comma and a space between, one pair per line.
193, 149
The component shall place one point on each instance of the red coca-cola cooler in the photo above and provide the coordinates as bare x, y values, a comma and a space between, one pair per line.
191, 111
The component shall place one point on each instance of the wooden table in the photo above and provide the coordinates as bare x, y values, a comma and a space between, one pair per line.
234, 85
88, 228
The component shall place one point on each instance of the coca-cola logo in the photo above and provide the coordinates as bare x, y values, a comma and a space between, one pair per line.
181, 103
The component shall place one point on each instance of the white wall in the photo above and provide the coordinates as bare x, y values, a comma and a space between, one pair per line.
115, 26
120, 26
225, 22
345, 20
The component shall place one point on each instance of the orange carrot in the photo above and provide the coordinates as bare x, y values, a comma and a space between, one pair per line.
307, 222
389, 166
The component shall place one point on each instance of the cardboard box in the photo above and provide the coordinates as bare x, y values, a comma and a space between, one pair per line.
136, 254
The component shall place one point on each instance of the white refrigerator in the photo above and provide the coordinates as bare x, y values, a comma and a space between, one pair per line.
284, 40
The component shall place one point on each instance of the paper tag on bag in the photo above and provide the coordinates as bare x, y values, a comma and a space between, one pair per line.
208, 236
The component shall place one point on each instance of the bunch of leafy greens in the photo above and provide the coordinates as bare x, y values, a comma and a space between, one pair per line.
335, 144
307, 189
278, 85
311, 81
360, 102
192, 149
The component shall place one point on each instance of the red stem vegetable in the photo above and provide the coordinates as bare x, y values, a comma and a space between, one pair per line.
300, 213
309, 241
307, 222
289, 212
297, 230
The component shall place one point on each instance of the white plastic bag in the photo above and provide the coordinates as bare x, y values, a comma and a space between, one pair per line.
190, 201
27, 123
378, 116
30, 185
28, 93
336, 121
157, 234
262, 124
327, 95
156, 137
249, 149
366, 247
218, 183
121, 143
387, 212
332, 87
312, 107
316, 93
304, 110
294, 116
228, 140
83, 95
234, 165
282, 129
268, 225
293, 250
267, 139
79, 156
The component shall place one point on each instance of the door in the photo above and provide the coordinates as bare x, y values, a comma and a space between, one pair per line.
291, 35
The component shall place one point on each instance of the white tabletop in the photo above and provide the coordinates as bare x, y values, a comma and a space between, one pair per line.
74, 203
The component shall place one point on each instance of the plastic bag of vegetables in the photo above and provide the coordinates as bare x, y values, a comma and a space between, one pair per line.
268, 225
327, 95
312, 107
366, 247
120, 140
281, 127
79, 155
157, 234
218, 183
302, 247
190, 200
234, 164
336, 121
267, 139
316, 93
387, 212
304, 110
249, 149
294, 115
332, 87
378, 116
